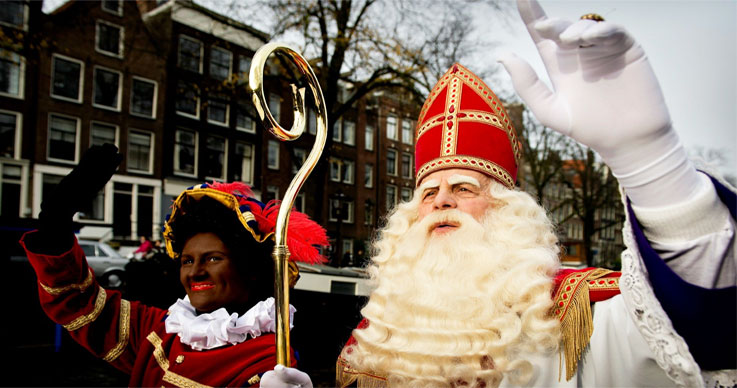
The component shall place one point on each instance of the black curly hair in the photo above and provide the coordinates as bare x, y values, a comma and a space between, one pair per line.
252, 259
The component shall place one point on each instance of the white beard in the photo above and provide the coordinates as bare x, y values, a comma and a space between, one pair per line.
459, 308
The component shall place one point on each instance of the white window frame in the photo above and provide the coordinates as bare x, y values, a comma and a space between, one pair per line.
404, 190
197, 104
276, 108
227, 111
243, 73
21, 73
350, 210
179, 51
273, 189
22, 182
396, 161
349, 127
368, 171
230, 63
196, 154
121, 45
150, 169
76, 138
120, 88
268, 151
224, 173
392, 118
348, 242
338, 165
337, 134
348, 171
407, 129
300, 200
243, 107
253, 161
80, 93
368, 138
24, 27
18, 132
300, 156
155, 97
393, 200
117, 131
118, 12
409, 169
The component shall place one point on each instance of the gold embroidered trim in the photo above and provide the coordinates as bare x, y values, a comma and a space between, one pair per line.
470, 162
573, 309
91, 317
345, 375
169, 376
254, 380
450, 122
604, 284
77, 286
123, 332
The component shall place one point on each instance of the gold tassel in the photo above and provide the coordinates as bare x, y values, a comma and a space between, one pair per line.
576, 328
345, 376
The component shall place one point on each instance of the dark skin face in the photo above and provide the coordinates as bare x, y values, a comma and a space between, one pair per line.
210, 276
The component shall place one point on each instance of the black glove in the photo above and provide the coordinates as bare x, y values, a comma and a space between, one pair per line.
76, 191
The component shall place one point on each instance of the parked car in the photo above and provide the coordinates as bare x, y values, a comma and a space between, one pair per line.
106, 262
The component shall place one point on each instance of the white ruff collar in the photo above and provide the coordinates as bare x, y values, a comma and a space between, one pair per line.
218, 328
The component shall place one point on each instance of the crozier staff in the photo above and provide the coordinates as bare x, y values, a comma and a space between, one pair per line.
221, 333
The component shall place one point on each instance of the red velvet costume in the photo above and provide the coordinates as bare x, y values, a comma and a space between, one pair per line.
132, 337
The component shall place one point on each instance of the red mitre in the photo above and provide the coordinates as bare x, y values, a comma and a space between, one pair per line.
464, 125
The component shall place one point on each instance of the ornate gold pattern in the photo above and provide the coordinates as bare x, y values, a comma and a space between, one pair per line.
89, 318
77, 286
169, 376
450, 123
179, 359
345, 375
123, 331
604, 284
470, 162
254, 380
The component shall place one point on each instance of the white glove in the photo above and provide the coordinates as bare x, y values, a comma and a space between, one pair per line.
605, 96
282, 376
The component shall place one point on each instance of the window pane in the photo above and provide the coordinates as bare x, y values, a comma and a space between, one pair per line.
406, 194
217, 111
111, 5
406, 132
312, 121
62, 138
300, 155
108, 38
10, 190
220, 63
369, 140
244, 67
391, 196
184, 152
142, 98
274, 105
335, 170
391, 127
214, 157
368, 175
391, 162
66, 77
407, 165
189, 54
7, 134
273, 155
94, 210
102, 134
10, 72
107, 85
12, 13
244, 118
244, 162
139, 151
187, 99
349, 132
337, 131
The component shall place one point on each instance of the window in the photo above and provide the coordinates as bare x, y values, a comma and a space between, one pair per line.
391, 162
274, 106
113, 6
311, 121
244, 67
218, 111
11, 182
243, 160
188, 100
190, 54
406, 131
348, 249
109, 39
348, 168
13, 14
391, 196
368, 175
143, 97
391, 127
368, 213
300, 155
220, 61
214, 157
337, 131
107, 89
10, 132
12, 74
335, 169
272, 192
244, 119
63, 132
341, 210
406, 165
349, 132
369, 138
66, 78
103, 133
299, 203
406, 194
185, 155
140, 151
272, 161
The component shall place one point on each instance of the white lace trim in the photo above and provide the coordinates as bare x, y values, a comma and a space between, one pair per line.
218, 328
670, 350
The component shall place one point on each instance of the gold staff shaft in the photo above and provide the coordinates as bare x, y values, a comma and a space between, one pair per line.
281, 252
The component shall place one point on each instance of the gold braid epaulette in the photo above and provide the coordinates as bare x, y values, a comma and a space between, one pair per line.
573, 309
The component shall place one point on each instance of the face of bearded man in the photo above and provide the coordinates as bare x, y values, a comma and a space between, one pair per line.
463, 307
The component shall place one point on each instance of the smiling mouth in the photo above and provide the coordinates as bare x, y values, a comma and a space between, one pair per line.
201, 286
